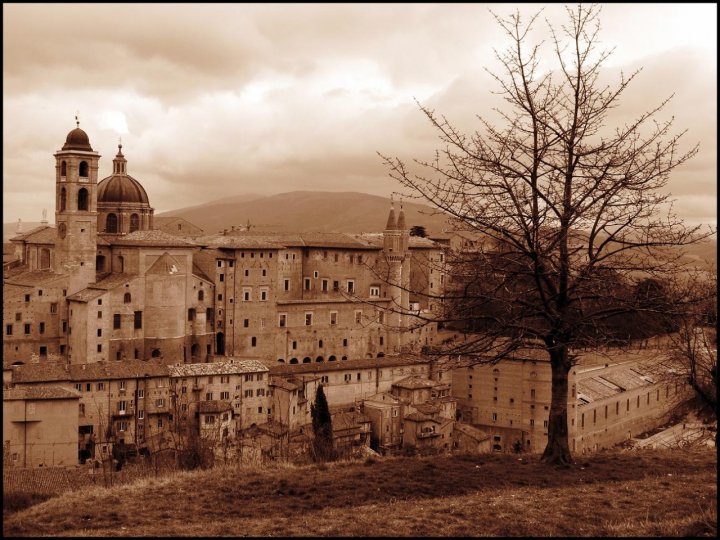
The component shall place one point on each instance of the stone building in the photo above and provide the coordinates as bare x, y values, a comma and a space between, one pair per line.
40, 427
607, 404
112, 282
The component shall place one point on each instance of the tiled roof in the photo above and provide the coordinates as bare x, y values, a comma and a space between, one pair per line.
33, 277
232, 367
280, 382
269, 240
214, 406
471, 431
101, 287
348, 420
611, 382
43, 234
97, 371
339, 365
413, 382
373, 300
427, 408
199, 272
273, 427
420, 417
36, 392
376, 240
151, 238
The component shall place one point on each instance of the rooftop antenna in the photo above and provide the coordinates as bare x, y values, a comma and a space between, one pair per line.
77, 119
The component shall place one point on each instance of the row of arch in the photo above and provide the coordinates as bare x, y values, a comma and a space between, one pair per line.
83, 170
331, 358
112, 224
82, 199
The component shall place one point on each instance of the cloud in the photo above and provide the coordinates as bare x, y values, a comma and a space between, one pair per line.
216, 100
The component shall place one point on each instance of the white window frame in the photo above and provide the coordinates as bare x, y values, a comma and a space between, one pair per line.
247, 294
375, 291
350, 286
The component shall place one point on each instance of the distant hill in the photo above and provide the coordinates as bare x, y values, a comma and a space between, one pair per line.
307, 211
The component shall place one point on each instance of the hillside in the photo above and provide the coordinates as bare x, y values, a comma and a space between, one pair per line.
306, 211
648, 493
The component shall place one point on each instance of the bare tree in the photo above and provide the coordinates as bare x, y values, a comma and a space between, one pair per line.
566, 212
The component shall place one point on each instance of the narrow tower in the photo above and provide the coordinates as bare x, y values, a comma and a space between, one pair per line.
395, 250
76, 169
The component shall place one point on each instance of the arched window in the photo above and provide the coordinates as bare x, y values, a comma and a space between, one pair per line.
195, 349
82, 199
63, 199
381, 355
134, 222
121, 263
344, 358
319, 359
293, 360
127, 298
201, 296
83, 169
281, 360
156, 353
320, 344
307, 360
332, 358
44, 258
111, 223
63, 169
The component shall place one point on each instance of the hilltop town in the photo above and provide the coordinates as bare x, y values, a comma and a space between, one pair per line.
128, 331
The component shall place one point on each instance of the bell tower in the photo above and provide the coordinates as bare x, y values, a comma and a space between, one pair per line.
397, 255
76, 170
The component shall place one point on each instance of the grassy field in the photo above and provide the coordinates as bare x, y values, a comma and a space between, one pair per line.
650, 493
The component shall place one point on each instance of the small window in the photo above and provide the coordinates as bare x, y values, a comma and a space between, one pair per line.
350, 286
308, 319
53, 308
99, 314
286, 284
306, 282
253, 341
116, 321
42, 328
374, 291
8, 330
191, 314
99, 332
99, 348
27, 297
138, 319
333, 318
358, 316
27, 329
283, 320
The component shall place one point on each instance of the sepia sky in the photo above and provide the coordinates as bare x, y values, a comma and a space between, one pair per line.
220, 100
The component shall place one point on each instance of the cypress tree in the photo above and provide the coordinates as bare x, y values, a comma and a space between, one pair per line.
322, 427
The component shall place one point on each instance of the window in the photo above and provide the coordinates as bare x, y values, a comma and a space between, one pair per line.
78, 387
116, 321
27, 330
260, 410
138, 319
201, 296
122, 406
336, 286
247, 294
324, 287
532, 393
286, 284
374, 291
582, 420
306, 283
127, 298
264, 272
532, 422
141, 414
308, 319
219, 297
160, 402
358, 316
220, 263
208, 396
333, 318
344, 342
347, 377
294, 344
248, 393
224, 379
545, 423
8, 329
82, 409
141, 393
247, 273
260, 392
494, 417
83, 197
18, 316
43, 350
64, 326
122, 385
324, 379
222, 277
606, 409
122, 425
253, 341
350, 286
191, 314
53, 308
594, 415
99, 314
249, 377
225, 395
282, 320
160, 423
263, 295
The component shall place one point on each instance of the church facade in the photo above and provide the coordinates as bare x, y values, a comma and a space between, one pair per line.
106, 284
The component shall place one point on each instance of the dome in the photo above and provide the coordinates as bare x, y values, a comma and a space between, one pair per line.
77, 139
121, 188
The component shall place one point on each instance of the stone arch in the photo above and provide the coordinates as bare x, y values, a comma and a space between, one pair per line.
281, 360
44, 259
344, 358
155, 353
293, 360
111, 223
332, 358
127, 298
319, 359
83, 171
381, 355
83, 199
307, 360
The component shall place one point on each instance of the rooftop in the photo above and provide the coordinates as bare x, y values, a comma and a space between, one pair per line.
232, 367
339, 365
32, 393
414, 382
214, 406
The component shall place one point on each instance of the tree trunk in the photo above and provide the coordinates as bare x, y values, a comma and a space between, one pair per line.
557, 450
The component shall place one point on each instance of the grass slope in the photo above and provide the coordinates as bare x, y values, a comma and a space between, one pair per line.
654, 493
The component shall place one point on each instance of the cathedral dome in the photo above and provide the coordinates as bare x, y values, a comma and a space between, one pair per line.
121, 188
77, 139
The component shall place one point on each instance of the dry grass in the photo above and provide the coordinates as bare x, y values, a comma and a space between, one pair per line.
650, 493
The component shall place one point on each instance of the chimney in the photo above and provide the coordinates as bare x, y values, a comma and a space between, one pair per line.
224, 232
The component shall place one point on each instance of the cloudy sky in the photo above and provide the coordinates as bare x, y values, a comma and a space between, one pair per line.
220, 100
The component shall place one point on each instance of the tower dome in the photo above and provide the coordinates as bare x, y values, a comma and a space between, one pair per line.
121, 188
77, 139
